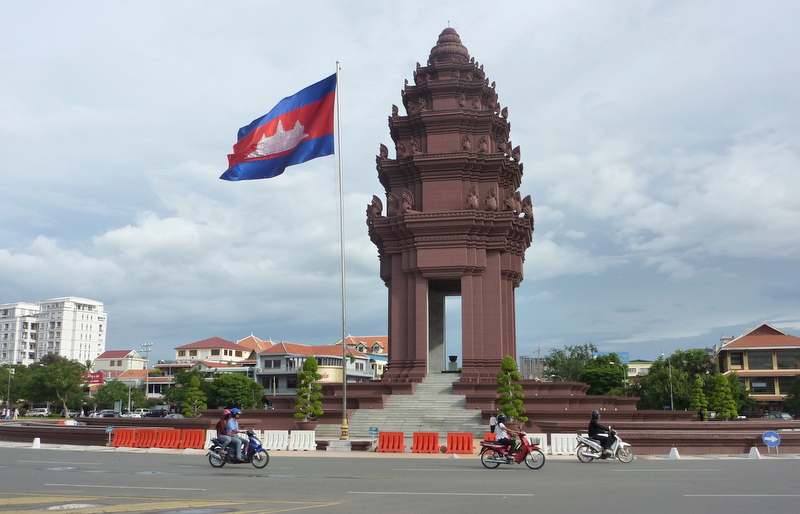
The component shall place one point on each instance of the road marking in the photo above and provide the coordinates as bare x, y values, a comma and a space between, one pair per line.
265, 507
128, 487
434, 494
449, 470
58, 462
742, 495
665, 470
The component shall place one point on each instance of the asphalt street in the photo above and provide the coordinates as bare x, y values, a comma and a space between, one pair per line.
172, 482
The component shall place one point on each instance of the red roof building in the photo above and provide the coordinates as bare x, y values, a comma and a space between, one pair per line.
767, 360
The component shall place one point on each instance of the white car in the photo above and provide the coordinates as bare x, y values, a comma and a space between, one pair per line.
38, 413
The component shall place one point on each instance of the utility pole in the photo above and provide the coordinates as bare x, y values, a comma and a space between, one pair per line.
146, 350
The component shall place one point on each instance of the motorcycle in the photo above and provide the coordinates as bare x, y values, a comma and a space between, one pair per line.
254, 454
591, 449
493, 453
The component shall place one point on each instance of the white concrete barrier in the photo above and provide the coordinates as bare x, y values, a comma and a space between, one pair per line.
276, 440
673, 454
563, 444
303, 440
754, 453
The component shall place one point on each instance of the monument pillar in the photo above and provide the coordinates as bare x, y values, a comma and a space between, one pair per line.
455, 223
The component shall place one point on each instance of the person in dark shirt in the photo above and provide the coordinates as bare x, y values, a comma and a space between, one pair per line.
599, 432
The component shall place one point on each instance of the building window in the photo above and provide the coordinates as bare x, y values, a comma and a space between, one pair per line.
762, 385
238, 353
759, 360
192, 353
111, 364
736, 360
784, 383
215, 352
788, 359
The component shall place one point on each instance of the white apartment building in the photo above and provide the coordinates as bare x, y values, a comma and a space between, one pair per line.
71, 327
18, 333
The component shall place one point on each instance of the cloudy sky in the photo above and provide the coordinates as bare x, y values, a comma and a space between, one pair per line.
661, 143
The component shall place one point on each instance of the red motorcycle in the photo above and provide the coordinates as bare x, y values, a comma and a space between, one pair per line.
493, 453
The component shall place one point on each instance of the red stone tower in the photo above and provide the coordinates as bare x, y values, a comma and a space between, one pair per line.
455, 223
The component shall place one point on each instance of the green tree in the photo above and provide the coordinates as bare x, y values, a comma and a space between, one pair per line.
510, 393
722, 401
194, 400
308, 403
234, 390
666, 384
604, 374
176, 393
114, 390
741, 396
697, 400
55, 378
12, 388
565, 365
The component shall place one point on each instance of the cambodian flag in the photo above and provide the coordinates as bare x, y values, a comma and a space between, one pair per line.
298, 129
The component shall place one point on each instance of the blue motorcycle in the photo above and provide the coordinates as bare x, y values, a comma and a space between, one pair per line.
255, 454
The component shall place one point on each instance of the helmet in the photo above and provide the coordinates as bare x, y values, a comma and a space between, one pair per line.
595, 414
501, 418
226, 412
235, 412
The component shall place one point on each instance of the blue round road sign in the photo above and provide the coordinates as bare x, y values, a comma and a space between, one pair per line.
771, 438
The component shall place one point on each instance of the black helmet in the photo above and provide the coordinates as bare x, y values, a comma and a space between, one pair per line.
595, 414
501, 418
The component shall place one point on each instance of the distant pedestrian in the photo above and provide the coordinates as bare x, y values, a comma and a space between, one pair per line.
16, 413
492, 423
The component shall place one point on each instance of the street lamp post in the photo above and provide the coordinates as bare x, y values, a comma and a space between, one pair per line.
130, 363
146, 347
11, 371
671, 400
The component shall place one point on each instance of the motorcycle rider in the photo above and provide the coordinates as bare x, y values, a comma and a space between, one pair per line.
231, 429
600, 433
222, 434
503, 434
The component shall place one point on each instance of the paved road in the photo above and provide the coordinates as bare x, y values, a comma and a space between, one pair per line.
175, 483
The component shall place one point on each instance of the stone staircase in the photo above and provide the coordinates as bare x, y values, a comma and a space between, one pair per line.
432, 408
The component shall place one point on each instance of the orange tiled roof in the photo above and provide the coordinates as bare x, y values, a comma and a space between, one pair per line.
763, 337
304, 349
368, 341
254, 343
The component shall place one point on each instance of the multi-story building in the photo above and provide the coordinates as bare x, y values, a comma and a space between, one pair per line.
375, 347
766, 359
18, 333
71, 327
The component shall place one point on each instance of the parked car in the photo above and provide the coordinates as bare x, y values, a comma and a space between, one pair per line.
157, 413
173, 416
69, 414
142, 413
40, 412
778, 415
108, 413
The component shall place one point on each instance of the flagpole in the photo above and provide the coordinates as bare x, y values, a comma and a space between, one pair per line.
345, 430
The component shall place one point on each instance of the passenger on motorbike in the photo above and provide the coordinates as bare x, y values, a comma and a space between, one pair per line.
232, 429
600, 433
503, 433
222, 434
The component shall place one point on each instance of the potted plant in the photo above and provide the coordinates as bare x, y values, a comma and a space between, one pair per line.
308, 404
510, 393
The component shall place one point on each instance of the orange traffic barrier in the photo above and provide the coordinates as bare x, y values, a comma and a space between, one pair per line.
192, 439
391, 442
459, 443
168, 438
124, 437
425, 442
146, 438
490, 436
